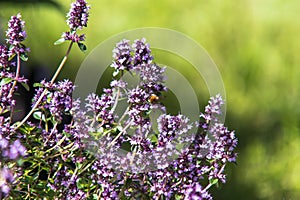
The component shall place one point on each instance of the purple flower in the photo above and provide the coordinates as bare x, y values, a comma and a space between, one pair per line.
161, 185
5, 129
61, 98
142, 53
224, 144
73, 36
109, 191
44, 103
217, 172
58, 98
3, 56
152, 73
16, 149
195, 192
139, 106
212, 110
145, 143
102, 175
101, 107
6, 97
65, 184
138, 96
152, 78
118, 83
218, 143
215, 104
122, 56
79, 128
6, 177
3, 142
7, 101
16, 34
174, 170
78, 15
171, 127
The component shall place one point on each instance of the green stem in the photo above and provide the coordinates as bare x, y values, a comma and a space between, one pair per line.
116, 100
121, 132
61, 64
15, 82
17, 75
53, 130
124, 114
57, 144
86, 167
45, 90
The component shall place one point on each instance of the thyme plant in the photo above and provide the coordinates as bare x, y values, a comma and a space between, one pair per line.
97, 153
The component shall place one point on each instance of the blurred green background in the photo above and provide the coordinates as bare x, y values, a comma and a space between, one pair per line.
254, 43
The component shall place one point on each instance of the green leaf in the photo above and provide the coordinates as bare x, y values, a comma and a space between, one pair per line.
39, 115
20, 162
11, 47
25, 128
119, 128
153, 138
4, 111
24, 57
59, 41
213, 181
26, 86
11, 57
38, 85
5, 81
82, 47
115, 73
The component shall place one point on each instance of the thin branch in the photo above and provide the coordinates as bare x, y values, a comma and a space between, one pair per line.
45, 90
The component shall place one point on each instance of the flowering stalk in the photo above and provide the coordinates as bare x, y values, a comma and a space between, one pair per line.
45, 90
15, 81
77, 18
17, 75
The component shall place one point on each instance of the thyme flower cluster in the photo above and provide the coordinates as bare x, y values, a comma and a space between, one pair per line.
16, 34
66, 151
77, 18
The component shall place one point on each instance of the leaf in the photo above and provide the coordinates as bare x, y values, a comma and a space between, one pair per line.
95, 196
82, 47
153, 138
4, 111
38, 85
59, 41
26, 86
115, 73
25, 128
213, 181
11, 47
5, 81
119, 128
20, 162
24, 57
39, 115
11, 57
